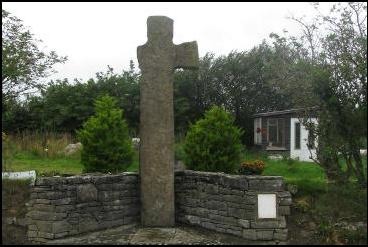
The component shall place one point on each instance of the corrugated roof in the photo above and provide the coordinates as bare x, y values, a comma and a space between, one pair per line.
272, 113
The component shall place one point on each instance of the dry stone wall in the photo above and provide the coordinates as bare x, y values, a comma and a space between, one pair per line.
64, 206
228, 204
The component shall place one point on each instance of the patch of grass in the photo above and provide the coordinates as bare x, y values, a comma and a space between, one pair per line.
134, 167
27, 151
308, 176
71, 165
27, 161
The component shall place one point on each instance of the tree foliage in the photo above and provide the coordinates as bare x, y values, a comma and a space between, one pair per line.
23, 63
107, 146
64, 106
213, 143
240, 82
336, 49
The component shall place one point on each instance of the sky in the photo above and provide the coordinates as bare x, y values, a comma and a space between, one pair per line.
97, 34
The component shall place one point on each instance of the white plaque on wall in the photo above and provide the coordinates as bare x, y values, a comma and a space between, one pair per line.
266, 206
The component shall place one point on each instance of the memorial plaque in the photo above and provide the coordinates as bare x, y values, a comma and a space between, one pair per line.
267, 206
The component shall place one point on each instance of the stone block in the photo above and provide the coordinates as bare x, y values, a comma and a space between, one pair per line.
249, 234
236, 212
216, 205
244, 223
39, 201
46, 235
108, 195
208, 225
63, 201
32, 228
280, 234
44, 207
192, 219
49, 216
234, 232
63, 208
232, 198
61, 226
61, 234
86, 193
284, 210
202, 212
285, 201
130, 179
235, 182
190, 202
250, 214
43, 226
249, 200
40, 189
87, 224
85, 205
236, 205
48, 181
211, 189
265, 185
104, 186
229, 191
51, 195
269, 223
218, 219
264, 234
31, 234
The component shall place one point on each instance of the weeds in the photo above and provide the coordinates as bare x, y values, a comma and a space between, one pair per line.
41, 144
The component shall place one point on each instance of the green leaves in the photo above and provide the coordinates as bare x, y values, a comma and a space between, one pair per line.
23, 63
213, 143
105, 137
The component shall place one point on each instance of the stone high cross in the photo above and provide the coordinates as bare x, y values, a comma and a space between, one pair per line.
158, 59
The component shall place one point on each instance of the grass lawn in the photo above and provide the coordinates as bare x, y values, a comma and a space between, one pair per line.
25, 161
308, 176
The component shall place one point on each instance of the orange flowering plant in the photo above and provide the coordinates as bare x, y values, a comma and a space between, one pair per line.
255, 167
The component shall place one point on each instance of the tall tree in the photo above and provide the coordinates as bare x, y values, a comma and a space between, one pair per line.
23, 63
336, 51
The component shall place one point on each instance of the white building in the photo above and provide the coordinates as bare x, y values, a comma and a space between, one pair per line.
283, 132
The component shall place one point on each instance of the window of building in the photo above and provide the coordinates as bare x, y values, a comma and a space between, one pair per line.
257, 131
276, 132
297, 135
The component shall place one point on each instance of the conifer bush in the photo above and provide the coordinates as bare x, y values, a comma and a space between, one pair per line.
213, 143
107, 146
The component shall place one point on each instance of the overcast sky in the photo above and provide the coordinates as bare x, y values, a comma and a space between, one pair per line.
94, 35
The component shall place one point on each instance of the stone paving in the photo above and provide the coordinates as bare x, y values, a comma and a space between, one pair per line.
137, 235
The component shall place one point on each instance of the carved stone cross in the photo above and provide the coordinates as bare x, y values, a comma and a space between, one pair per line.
157, 60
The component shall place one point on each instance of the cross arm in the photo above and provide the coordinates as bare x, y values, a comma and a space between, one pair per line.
186, 55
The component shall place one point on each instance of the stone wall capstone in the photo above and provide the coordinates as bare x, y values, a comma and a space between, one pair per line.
64, 206
228, 204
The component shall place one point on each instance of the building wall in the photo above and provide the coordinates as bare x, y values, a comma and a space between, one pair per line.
228, 204
302, 153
